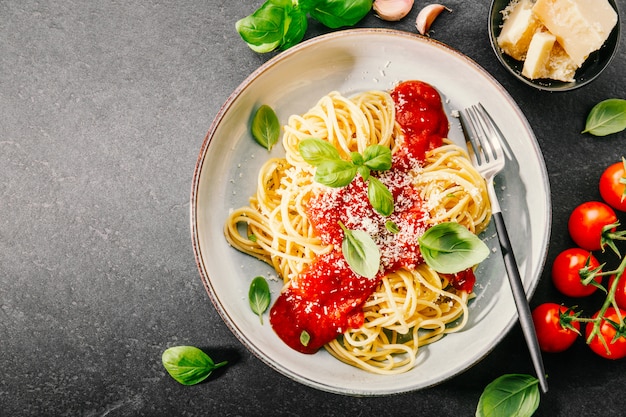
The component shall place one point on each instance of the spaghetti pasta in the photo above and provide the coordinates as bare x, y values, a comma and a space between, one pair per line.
411, 305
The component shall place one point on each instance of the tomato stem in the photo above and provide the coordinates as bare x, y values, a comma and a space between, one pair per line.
608, 302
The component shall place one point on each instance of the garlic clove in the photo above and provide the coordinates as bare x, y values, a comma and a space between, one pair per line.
392, 10
427, 16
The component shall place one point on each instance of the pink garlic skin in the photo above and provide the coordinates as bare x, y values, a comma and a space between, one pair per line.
427, 16
392, 10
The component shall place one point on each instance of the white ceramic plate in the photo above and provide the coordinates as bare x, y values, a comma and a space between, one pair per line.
352, 61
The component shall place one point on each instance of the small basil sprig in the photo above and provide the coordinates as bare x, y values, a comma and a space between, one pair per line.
280, 24
511, 395
606, 117
333, 171
259, 296
188, 364
265, 127
449, 248
361, 252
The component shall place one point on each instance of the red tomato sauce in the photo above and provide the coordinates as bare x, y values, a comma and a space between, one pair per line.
420, 113
327, 298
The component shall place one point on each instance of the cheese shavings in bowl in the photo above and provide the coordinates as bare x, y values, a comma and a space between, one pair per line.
555, 44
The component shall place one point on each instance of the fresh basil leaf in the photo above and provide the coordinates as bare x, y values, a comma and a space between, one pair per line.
259, 296
606, 117
449, 248
511, 395
295, 25
265, 127
305, 338
188, 364
263, 30
306, 5
364, 171
392, 227
315, 151
357, 158
335, 173
377, 157
338, 13
361, 252
379, 196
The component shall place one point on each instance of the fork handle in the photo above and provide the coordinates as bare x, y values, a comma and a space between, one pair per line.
521, 302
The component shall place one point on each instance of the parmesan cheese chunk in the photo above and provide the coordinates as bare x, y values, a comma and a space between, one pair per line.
560, 66
538, 55
518, 28
580, 26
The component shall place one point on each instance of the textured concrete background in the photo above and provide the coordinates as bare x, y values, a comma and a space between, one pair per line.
103, 108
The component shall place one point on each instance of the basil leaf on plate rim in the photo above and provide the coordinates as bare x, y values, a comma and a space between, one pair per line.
265, 127
259, 296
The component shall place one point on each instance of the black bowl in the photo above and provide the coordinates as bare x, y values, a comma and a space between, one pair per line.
589, 71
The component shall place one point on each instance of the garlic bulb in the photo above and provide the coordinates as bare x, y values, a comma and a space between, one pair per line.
427, 16
392, 10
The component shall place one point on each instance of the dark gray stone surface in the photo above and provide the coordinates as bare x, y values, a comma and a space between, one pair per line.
104, 106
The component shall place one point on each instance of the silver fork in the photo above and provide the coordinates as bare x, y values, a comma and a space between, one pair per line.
484, 143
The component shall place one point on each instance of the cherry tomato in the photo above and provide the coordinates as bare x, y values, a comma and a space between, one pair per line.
613, 186
565, 272
554, 334
617, 347
620, 291
587, 221
463, 281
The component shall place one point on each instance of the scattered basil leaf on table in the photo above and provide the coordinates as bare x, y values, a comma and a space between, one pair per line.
449, 248
188, 364
606, 117
259, 296
265, 127
338, 13
296, 24
511, 395
280, 24
361, 252
263, 30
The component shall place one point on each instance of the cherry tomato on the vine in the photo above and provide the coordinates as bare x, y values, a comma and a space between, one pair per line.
566, 272
620, 291
587, 221
613, 186
616, 346
555, 333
